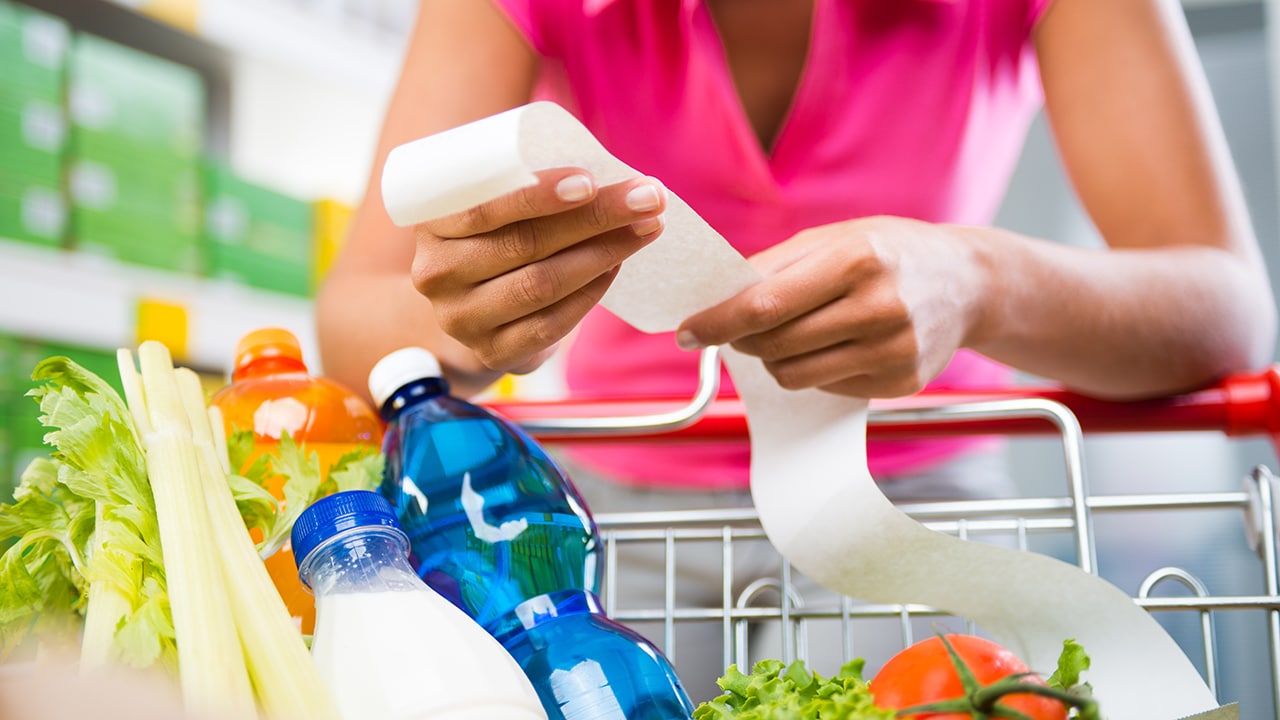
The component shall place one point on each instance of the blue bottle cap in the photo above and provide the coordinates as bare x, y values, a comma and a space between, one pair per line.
338, 513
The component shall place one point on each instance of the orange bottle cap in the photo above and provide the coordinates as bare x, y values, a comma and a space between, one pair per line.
267, 343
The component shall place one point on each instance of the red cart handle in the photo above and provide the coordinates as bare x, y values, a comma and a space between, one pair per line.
1240, 406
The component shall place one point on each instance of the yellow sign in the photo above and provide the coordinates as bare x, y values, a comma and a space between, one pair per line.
165, 322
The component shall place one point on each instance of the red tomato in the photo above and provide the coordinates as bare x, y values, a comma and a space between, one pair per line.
924, 673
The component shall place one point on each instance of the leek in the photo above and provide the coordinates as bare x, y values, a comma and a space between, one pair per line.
211, 666
287, 682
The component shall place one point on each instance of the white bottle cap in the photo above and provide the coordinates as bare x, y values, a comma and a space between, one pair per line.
400, 368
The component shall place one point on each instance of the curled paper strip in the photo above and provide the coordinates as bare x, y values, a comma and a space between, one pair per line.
818, 504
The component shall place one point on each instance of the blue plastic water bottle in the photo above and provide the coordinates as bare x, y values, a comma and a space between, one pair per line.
495, 526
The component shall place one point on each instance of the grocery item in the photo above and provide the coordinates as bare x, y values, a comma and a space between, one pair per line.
388, 646
236, 649
497, 528
272, 394
777, 690
83, 540
956, 676
946, 677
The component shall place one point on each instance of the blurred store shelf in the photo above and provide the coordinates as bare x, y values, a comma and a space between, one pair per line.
357, 43
89, 301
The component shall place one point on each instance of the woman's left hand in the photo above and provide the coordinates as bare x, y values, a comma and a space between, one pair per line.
873, 307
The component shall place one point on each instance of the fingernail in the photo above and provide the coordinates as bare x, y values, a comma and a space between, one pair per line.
646, 227
575, 188
686, 340
644, 198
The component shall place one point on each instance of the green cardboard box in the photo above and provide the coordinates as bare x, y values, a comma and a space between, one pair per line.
9, 348
239, 212
115, 90
26, 433
33, 135
9, 406
155, 187
257, 236
34, 48
21, 433
32, 210
153, 241
259, 270
8, 478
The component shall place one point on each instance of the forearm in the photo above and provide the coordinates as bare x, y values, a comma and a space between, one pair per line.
363, 315
464, 61
1121, 322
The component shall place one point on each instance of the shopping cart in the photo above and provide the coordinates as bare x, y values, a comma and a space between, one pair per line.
1242, 406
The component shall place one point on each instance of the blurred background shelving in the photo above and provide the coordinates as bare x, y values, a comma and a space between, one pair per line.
182, 170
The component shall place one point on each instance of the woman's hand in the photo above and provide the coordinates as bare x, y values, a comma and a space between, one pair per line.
873, 307
510, 278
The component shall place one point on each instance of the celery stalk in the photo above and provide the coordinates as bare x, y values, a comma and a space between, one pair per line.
211, 666
287, 682
108, 605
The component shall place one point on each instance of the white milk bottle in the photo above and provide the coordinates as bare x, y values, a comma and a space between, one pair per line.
388, 646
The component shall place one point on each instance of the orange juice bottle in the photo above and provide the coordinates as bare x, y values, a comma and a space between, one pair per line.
272, 393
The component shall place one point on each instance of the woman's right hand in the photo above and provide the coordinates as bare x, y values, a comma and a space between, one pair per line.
510, 278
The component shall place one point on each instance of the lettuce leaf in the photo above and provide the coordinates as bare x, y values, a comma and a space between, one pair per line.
774, 691
47, 527
1072, 663
82, 528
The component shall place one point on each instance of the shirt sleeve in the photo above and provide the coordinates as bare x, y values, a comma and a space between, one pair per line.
524, 14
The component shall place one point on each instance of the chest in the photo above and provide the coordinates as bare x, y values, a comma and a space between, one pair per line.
772, 115
765, 45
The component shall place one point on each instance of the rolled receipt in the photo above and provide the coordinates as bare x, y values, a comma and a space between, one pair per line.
818, 504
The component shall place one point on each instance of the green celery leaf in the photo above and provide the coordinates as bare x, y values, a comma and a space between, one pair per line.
301, 488
258, 507
146, 637
94, 499
240, 446
360, 470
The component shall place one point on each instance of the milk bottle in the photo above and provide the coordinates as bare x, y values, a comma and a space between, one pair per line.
388, 646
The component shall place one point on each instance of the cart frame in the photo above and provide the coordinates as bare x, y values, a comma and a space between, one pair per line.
1240, 406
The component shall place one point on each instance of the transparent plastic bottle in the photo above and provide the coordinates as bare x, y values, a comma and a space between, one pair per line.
496, 527
272, 393
387, 646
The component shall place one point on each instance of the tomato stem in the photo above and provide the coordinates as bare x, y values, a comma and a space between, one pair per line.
982, 702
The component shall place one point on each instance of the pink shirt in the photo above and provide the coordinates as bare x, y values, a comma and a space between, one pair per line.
915, 108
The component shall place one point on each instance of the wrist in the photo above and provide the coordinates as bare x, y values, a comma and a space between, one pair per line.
467, 376
982, 290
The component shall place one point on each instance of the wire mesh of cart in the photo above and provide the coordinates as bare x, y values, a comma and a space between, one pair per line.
1240, 406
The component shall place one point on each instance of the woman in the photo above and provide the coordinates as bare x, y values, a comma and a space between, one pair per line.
856, 151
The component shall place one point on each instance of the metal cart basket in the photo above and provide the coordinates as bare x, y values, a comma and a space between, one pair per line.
1242, 406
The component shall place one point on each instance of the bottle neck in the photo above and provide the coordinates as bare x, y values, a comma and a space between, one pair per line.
273, 365
362, 559
413, 393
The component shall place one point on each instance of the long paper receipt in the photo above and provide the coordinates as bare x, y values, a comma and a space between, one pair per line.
818, 504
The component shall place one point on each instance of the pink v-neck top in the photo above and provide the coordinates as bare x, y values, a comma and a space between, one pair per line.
915, 108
